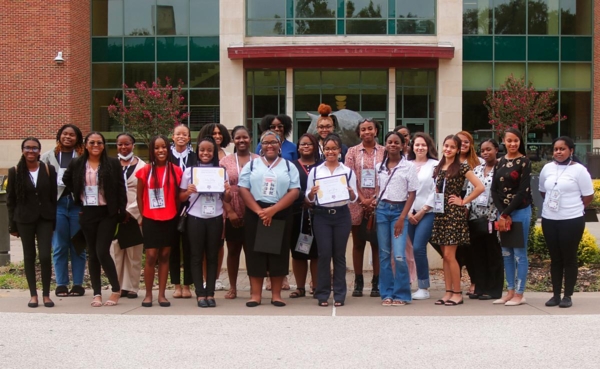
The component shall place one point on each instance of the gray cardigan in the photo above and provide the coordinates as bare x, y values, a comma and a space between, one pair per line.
49, 157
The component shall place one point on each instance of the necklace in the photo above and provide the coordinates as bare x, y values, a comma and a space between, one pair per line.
509, 162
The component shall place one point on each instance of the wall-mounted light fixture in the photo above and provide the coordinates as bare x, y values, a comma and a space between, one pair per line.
59, 58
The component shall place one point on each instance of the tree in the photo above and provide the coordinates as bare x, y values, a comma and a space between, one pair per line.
150, 110
517, 104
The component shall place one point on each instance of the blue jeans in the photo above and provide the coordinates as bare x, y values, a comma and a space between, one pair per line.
67, 224
420, 235
515, 259
392, 286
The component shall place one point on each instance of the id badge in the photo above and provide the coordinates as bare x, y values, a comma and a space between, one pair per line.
59, 176
157, 198
269, 186
368, 178
554, 200
482, 200
304, 243
91, 195
208, 205
438, 203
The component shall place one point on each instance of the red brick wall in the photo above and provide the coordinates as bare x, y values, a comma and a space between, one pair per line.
596, 106
38, 95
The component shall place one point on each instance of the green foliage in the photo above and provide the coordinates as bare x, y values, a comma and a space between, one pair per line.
588, 252
596, 201
536, 166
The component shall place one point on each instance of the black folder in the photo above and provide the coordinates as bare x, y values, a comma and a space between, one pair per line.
590, 215
79, 242
269, 239
129, 234
514, 237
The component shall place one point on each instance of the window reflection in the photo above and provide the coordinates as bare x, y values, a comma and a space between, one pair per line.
576, 105
543, 17
172, 17
139, 19
107, 17
576, 17
204, 18
477, 17
509, 17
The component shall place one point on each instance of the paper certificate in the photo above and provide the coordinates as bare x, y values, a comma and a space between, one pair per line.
332, 189
208, 179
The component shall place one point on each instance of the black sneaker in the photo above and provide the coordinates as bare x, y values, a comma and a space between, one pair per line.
566, 302
554, 301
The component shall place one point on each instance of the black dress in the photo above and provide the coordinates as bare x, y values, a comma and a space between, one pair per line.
297, 211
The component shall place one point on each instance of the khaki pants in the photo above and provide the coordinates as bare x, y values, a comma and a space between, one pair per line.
129, 265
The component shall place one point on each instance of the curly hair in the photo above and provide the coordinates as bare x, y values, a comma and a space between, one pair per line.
209, 129
314, 142
265, 123
385, 153
79, 145
169, 166
79, 166
215, 159
22, 172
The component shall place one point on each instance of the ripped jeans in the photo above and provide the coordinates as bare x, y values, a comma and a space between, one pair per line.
396, 287
515, 259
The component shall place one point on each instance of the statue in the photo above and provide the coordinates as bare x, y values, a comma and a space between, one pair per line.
346, 122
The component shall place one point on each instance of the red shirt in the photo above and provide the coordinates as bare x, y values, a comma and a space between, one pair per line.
170, 189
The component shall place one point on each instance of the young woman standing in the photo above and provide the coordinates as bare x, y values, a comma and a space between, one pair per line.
182, 155
511, 191
397, 188
69, 145
420, 217
158, 199
450, 223
362, 159
567, 189
234, 210
31, 203
332, 224
282, 126
204, 223
326, 125
98, 185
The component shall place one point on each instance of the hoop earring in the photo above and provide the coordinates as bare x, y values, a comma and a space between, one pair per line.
261, 152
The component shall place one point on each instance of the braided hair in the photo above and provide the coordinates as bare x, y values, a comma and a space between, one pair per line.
104, 170
169, 166
22, 172
215, 159
79, 145
385, 153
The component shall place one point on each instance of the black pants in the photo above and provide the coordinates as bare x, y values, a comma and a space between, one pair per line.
562, 238
205, 237
486, 264
42, 230
99, 229
182, 244
332, 232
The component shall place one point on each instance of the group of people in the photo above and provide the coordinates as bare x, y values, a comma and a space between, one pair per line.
397, 195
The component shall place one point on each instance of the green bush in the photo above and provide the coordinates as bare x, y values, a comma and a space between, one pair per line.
596, 201
536, 166
587, 252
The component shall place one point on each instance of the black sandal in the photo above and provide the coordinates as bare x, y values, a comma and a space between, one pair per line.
338, 303
323, 303
76, 291
62, 291
300, 292
454, 303
441, 302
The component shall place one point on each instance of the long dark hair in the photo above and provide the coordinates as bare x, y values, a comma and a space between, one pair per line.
519, 135
234, 131
170, 166
454, 167
208, 130
215, 158
79, 145
315, 144
570, 144
385, 153
104, 171
22, 173
431, 150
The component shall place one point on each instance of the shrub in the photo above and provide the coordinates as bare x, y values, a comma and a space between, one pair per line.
596, 201
587, 252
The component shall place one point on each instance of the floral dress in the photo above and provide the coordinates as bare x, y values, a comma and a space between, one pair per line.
477, 210
450, 227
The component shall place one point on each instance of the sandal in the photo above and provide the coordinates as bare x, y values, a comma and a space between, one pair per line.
323, 303
231, 294
110, 302
76, 291
441, 302
177, 294
95, 303
398, 303
454, 303
338, 303
62, 291
312, 289
386, 302
300, 292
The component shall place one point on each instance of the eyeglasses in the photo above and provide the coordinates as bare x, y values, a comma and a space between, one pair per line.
31, 149
270, 143
329, 126
95, 143
305, 144
331, 149
365, 120
277, 127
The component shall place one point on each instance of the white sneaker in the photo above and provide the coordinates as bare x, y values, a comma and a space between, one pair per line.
421, 294
219, 285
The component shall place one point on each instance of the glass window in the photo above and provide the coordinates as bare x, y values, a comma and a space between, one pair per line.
415, 9
174, 71
139, 19
100, 101
367, 9
509, 17
204, 75
204, 48
315, 9
203, 107
265, 9
138, 72
366, 27
172, 48
415, 27
542, 48
543, 75
576, 48
577, 107
415, 102
373, 90
510, 47
107, 17
107, 75
576, 17
314, 27
543, 17
107, 49
477, 17
172, 17
265, 28
478, 48
503, 70
477, 76
204, 18
265, 94
139, 49
415, 94
575, 75
475, 114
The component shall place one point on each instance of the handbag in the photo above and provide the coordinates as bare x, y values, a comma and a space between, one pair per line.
370, 225
479, 227
181, 225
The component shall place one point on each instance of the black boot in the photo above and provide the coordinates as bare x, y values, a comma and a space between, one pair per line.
375, 288
359, 284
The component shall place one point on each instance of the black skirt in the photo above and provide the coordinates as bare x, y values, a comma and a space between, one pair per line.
160, 233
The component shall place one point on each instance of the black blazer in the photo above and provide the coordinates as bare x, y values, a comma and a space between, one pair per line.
40, 201
114, 190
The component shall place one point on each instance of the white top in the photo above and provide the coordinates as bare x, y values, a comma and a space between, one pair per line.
403, 181
34, 176
322, 171
573, 181
209, 205
426, 190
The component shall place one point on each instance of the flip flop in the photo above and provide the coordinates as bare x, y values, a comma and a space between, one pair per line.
62, 291
77, 291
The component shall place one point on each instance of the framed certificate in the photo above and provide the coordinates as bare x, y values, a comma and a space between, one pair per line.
208, 179
332, 189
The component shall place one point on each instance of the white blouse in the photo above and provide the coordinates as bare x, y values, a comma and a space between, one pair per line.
403, 180
426, 190
322, 171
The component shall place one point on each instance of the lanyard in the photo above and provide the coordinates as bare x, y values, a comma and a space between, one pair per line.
561, 173
272, 164
302, 223
362, 162
163, 179
237, 163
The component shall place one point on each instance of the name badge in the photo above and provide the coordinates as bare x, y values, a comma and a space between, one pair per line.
482, 200
304, 243
157, 198
91, 195
269, 186
438, 203
368, 178
209, 205
59, 176
554, 200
